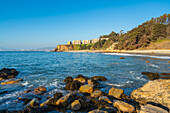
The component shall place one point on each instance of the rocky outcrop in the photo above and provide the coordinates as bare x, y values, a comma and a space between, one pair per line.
117, 93
6, 73
157, 91
86, 89
152, 109
40, 90
63, 48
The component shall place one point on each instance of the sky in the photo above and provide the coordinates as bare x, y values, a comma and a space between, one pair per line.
30, 24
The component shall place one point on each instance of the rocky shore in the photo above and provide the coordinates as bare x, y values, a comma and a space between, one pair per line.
85, 95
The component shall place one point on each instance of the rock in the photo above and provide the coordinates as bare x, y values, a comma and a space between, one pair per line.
169, 62
123, 106
157, 91
82, 80
109, 109
97, 93
93, 82
165, 75
81, 76
151, 76
99, 78
152, 109
116, 92
86, 89
58, 95
6, 73
68, 79
76, 105
11, 81
97, 111
147, 62
122, 57
105, 98
40, 90
34, 103
65, 100
75, 85
27, 91
26, 100
100, 104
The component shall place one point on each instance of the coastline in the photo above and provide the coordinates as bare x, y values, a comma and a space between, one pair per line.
147, 52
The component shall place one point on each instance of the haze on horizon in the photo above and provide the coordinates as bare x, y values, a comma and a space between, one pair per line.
42, 23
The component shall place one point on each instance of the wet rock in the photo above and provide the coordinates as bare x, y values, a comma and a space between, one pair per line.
34, 103
27, 91
75, 85
109, 109
105, 98
86, 89
157, 91
97, 93
81, 76
152, 109
11, 81
26, 100
100, 104
68, 79
151, 76
82, 80
93, 82
58, 95
99, 78
76, 105
97, 111
117, 93
6, 73
122, 57
165, 75
40, 90
65, 100
123, 106
147, 62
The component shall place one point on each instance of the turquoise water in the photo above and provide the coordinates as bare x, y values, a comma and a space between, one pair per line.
50, 68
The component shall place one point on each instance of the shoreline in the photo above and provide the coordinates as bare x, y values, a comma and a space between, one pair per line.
146, 52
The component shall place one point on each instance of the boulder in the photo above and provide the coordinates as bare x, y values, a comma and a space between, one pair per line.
6, 73
40, 90
65, 100
152, 109
11, 81
117, 93
105, 98
123, 106
81, 76
75, 85
97, 93
151, 76
122, 57
99, 78
68, 79
157, 91
100, 103
93, 82
76, 105
82, 80
98, 111
147, 61
86, 89
34, 103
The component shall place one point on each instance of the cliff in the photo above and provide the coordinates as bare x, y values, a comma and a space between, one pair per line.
63, 48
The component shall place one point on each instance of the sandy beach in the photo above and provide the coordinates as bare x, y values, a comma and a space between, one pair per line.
153, 52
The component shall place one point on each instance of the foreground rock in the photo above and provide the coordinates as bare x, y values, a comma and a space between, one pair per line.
68, 79
157, 91
65, 100
93, 82
75, 85
123, 106
32, 104
99, 78
76, 105
151, 76
86, 89
97, 93
152, 109
6, 73
11, 81
98, 111
40, 90
116, 92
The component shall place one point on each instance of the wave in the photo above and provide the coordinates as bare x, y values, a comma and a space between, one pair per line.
139, 55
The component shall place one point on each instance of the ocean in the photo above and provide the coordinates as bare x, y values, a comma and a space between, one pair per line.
50, 68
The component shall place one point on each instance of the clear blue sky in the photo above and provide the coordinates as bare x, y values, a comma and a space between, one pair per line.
46, 23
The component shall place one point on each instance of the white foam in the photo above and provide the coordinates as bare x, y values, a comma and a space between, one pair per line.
139, 55
153, 65
26, 83
117, 85
11, 95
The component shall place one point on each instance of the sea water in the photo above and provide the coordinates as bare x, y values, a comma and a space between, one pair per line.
50, 68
